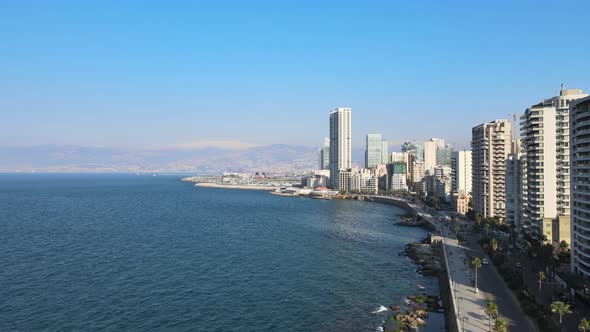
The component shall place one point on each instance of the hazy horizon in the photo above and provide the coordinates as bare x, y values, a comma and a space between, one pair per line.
143, 75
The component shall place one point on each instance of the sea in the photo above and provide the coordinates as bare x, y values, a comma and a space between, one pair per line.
121, 252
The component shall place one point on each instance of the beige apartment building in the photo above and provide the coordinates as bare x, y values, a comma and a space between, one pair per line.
490, 146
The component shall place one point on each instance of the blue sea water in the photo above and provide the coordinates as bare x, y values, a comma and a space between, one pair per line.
137, 253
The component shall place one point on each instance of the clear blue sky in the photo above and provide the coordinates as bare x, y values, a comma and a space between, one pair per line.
150, 73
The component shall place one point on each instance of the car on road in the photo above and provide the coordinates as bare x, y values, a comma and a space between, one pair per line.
485, 261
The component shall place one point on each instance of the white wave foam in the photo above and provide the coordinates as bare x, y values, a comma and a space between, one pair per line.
380, 309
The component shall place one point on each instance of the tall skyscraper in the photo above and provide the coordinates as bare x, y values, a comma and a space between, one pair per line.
515, 182
580, 188
340, 143
384, 151
490, 146
443, 155
373, 150
545, 143
538, 132
430, 148
461, 172
562, 106
324, 158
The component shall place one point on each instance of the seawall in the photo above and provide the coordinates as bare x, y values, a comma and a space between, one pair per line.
445, 281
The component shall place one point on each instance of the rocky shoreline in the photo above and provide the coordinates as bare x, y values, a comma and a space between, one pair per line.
417, 307
426, 256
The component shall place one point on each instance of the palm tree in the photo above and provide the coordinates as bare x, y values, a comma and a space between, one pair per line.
561, 309
492, 311
500, 326
584, 325
540, 278
494, 244
476, 264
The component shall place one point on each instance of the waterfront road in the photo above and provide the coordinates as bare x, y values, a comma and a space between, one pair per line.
491, 286
470, 305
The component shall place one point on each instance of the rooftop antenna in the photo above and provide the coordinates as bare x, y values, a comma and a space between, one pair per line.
562, 89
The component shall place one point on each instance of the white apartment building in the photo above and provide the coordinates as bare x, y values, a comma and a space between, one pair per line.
399, 182
461, 179
538, 135
490, 146
430, 148
340, 143
397, 157
417, 171
546, 155
580, 186
562, 106
358, 180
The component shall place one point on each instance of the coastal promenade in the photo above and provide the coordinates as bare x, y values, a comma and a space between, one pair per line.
234, 186
467, 305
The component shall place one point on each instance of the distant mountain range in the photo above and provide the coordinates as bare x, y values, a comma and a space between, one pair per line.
53, 158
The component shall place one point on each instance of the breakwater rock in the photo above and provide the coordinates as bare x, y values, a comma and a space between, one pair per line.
424, 255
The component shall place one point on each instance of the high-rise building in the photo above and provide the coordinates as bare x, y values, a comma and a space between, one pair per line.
461, 172
580, 186
384, 152
417, 171
538, 129
430, 148
416, 150
438, 142
396, 157
515, 183
340, 143
324, 158
562, 108
443, 155
545, 143
373, 150
490, 146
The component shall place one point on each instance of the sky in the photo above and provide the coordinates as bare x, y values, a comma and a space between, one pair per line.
194, 73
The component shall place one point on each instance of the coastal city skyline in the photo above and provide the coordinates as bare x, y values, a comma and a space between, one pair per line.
388, 166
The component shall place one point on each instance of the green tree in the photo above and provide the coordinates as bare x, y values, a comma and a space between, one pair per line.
486, 229
477, 217
476, 264
492, 311
500, 325
494, 244
540, 278
560, 308
584, 325
563, 248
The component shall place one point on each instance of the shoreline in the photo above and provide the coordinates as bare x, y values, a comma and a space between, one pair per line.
233, 186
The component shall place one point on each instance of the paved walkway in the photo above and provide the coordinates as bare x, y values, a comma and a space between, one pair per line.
469, 305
